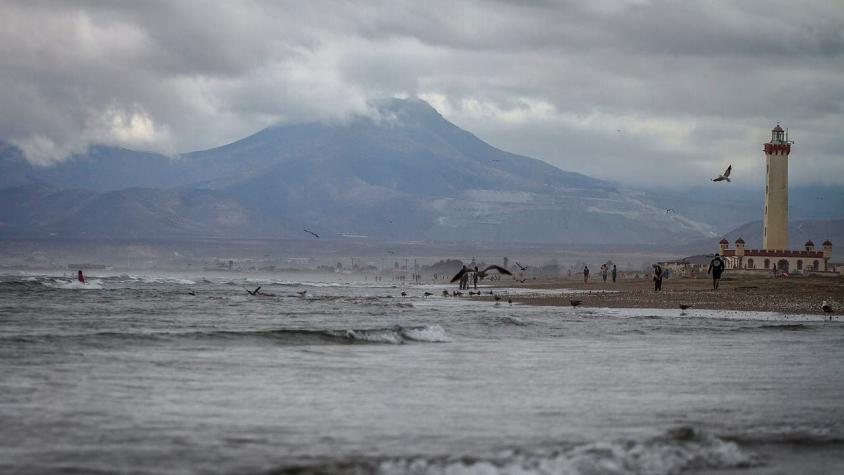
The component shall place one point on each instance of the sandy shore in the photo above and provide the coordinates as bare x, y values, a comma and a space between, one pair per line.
800, 295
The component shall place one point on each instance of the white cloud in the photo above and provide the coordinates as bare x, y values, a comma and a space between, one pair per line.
690, 86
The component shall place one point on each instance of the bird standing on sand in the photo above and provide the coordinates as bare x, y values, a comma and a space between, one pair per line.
481, 273
827, 309
404, 294
725, 176
575, 303
426, 294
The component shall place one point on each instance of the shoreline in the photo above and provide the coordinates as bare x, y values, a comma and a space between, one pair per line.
790, 295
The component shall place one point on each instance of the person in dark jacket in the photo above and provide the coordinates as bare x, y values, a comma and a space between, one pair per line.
657, 277
614, 273
585, 274
716, 268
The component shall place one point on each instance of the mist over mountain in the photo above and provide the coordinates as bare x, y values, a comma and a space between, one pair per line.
404, 172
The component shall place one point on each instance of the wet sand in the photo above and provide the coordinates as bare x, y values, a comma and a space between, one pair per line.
799, 295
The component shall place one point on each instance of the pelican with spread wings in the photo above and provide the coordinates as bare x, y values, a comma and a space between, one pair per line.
481, 273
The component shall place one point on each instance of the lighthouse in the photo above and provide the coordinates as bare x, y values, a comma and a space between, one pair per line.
775, 230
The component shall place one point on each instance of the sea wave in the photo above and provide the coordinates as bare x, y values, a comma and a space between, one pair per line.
679, 450
393, 335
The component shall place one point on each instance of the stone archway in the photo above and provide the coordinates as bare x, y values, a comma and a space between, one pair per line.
782, 265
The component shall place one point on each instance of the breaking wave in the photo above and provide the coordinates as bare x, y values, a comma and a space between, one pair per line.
677, 451
395, 335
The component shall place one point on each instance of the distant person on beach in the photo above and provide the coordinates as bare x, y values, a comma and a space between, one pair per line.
475, 278
614, 273
716, 267
604, 270
585, 274
657, 277
80, 277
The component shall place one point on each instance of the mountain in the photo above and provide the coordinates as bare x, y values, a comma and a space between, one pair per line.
404, 172
131, 213
816, 230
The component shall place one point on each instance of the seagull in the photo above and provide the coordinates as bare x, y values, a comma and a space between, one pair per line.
509, 301
253, 292
191, 292
481, 273
445, 293
496, 297
312, 233
575, 303
725, 176
426, 294
827, 309
404, 294
302, 293
457, 294
684, 306
521, 267
670, 210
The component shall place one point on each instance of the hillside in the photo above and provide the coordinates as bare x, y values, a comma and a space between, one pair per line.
404, 172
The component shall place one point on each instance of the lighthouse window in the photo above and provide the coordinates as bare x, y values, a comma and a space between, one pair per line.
750, 263
767, 264
800, 264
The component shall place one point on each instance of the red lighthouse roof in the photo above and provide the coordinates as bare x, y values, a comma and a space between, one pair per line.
809, 243
739, 241
827, 243
724, 241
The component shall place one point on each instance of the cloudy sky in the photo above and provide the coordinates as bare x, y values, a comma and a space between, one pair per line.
637, 91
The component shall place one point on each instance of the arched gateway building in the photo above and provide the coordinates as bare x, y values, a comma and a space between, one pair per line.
775, 253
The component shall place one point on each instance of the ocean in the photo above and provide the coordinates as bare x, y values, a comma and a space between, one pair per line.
172, 374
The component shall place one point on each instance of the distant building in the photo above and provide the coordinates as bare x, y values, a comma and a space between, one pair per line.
785, 260
775, 253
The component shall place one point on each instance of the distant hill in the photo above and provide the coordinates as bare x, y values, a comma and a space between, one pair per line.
799, 231
404, 173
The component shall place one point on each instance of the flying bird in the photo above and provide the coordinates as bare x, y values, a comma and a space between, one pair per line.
312, 233
670, 210
725, 176
521, 267
253, 292
481, 273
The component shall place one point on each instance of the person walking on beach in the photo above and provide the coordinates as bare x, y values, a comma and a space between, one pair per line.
614, 273
475, 278
716, 267
80, 277
585, 274
657, 277
604, 270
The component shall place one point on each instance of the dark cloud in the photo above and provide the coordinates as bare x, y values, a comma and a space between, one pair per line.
609, 88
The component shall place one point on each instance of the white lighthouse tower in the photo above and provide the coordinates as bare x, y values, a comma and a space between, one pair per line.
775, 231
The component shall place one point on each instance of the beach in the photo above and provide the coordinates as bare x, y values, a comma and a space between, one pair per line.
789, 295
